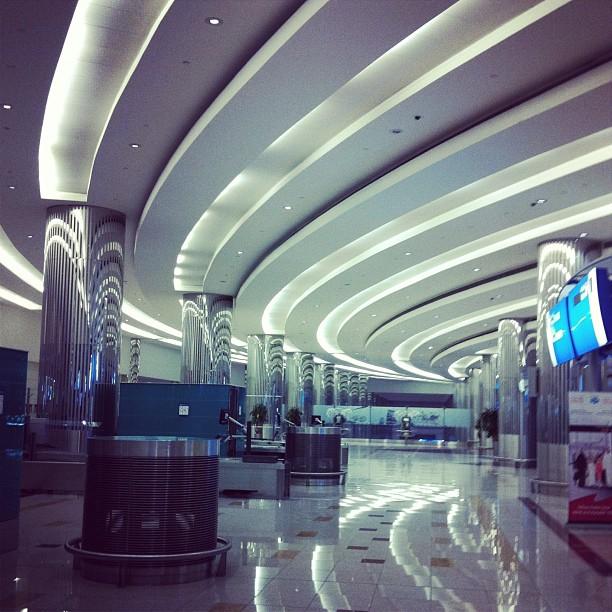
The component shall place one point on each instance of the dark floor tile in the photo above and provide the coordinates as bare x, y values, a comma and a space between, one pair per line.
377, 515
366, 560
333, 507
307, 534
386, 522
442, 541
438, 524
380, 539
441, 562
285, 554
357, 547
323, 519
367, 529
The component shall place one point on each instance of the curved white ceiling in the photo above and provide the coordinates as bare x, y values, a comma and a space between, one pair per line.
359, 175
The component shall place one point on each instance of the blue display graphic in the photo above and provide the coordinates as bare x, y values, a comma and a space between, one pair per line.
590, 311
560, 344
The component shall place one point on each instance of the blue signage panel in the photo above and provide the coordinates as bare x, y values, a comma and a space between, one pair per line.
590, 311
558, 335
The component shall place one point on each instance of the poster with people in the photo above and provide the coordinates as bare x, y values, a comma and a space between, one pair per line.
590, 457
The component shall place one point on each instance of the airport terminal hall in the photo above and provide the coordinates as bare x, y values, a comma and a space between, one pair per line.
305, 305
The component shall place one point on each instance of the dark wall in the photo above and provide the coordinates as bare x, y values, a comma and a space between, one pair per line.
13, 374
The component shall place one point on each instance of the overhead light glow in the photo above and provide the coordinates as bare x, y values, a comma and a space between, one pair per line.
171, 341
215, 21
584, 234
65, 163
476, 269
7, 106
12, 187
287, 207
135, 145
18, 300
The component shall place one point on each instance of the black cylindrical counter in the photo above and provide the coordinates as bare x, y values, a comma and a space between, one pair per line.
151, 501
314, 454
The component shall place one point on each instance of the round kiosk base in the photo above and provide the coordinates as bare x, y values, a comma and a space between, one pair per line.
124, 570
318, 479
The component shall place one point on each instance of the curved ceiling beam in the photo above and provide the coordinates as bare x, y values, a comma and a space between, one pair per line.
102, 49
328, 330
246, 74
380, 87
509, 181
402, 353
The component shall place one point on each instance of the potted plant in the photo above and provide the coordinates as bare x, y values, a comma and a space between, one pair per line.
259, 414
488, 423
295, 416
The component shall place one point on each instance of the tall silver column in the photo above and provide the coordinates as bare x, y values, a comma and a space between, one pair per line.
329, 384
488, 378
218, 324
512, 364
342, 397
265, 373
363, 390
307, 376
558, 261
475, 400
81, 323
293, 382
194, 347
354, 390
134, 360
318, 393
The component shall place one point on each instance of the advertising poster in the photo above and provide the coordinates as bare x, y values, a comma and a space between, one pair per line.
590, 456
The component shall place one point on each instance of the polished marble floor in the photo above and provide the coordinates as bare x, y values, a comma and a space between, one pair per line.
410, 530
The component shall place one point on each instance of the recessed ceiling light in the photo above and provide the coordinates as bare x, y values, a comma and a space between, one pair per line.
396, 131
134, 145
287, 207
476, 269
541, 201
239, 252
372, 315
12, 187
407, 253
436, 316
584, 234
430, 348
30, 236
214, 21
7, 106
418, 117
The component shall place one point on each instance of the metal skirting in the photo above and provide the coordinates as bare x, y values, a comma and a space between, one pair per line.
126, 569
549, 487
263, 479
515, 463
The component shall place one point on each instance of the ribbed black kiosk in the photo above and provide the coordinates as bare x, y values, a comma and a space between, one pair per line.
314, 455
150, 511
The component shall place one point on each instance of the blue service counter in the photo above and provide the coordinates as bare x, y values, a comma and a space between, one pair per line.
152, 409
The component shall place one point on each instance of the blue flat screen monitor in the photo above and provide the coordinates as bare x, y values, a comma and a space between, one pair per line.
590, 311
558, 335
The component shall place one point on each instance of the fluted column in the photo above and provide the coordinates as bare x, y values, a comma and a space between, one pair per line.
558, 261
342, 397
194, 347
81, 323
512, 364
488, 377
293, 382
329, 384
475, 399
134, 360
308, 388
354, 390
318, 393
363, 390
218, 313
265, 373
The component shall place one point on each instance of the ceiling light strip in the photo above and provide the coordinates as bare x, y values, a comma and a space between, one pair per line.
14, 298
65, 162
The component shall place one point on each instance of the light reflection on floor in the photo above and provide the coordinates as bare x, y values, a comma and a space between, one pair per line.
409, 531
